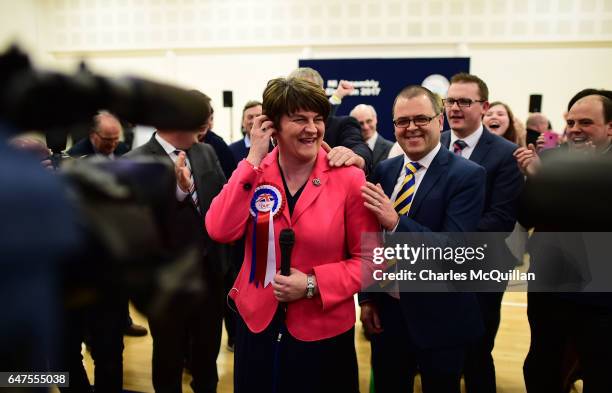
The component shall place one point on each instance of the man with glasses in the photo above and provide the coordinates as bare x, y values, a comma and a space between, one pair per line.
427, 189
366, 116
467, 101
103, 139
103, 323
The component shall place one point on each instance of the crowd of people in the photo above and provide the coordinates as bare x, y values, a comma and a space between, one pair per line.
330, 179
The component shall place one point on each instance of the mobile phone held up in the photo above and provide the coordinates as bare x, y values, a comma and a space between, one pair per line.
551, 140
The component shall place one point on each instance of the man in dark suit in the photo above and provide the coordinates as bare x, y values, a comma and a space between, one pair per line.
568, 329
207, 135
342, 133
466, 103
240, 148
199, 179
235, 251
428, 189
103, 139
366, 116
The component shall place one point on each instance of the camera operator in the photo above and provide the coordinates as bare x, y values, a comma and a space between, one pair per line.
33, 146
38, 231
199, 179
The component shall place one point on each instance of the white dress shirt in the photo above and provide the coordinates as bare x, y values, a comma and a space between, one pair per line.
418, 176
170, 150
371, 142
471, 141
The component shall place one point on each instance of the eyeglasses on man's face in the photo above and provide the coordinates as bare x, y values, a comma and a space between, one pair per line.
107, 139
419, 121
461, 102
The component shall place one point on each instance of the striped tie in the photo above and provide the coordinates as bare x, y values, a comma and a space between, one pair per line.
193, 193
404, 196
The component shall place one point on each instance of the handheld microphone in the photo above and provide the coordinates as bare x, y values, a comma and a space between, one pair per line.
286, 240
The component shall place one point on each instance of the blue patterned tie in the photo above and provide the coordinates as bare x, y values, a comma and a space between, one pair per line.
404, 196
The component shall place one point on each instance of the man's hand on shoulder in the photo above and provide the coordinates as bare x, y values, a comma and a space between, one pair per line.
343, 156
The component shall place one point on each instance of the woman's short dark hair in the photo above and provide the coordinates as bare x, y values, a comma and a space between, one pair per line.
510, 133
286, 96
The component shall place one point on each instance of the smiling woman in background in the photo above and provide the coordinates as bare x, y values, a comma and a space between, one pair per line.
500, 121
312, 348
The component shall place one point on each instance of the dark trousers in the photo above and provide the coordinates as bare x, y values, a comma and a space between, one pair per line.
479, 372
324, 366
200, 327
104, 323
565, 333
396, 357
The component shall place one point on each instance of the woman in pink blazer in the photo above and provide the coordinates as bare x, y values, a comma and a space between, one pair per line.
311, 347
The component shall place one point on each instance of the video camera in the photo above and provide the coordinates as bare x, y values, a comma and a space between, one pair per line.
123, 206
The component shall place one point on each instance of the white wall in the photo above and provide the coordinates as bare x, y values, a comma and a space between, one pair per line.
519, 47
18, 22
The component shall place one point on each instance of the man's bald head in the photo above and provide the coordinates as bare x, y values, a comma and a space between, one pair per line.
105, 133
589, 120
537, 122
366, 116
310, 74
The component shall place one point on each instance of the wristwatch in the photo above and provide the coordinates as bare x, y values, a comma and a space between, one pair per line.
310, 286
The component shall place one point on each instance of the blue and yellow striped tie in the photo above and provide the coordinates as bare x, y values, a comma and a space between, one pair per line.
404, 196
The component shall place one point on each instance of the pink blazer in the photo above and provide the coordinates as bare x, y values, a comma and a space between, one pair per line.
328, 220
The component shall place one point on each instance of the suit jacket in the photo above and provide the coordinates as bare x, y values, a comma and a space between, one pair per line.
328, 221
209, 179
224, 154
84, 147
450, 198
504, 180
346, 131
503, 188
381, 150
239, 150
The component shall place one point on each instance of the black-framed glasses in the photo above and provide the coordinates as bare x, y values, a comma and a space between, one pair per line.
462, 102
419, 121
106, 139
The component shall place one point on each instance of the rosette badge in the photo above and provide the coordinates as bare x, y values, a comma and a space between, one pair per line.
267, 202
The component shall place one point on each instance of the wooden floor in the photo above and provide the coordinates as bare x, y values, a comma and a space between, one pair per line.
510, 350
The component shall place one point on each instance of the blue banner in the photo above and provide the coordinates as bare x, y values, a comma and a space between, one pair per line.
377, 81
